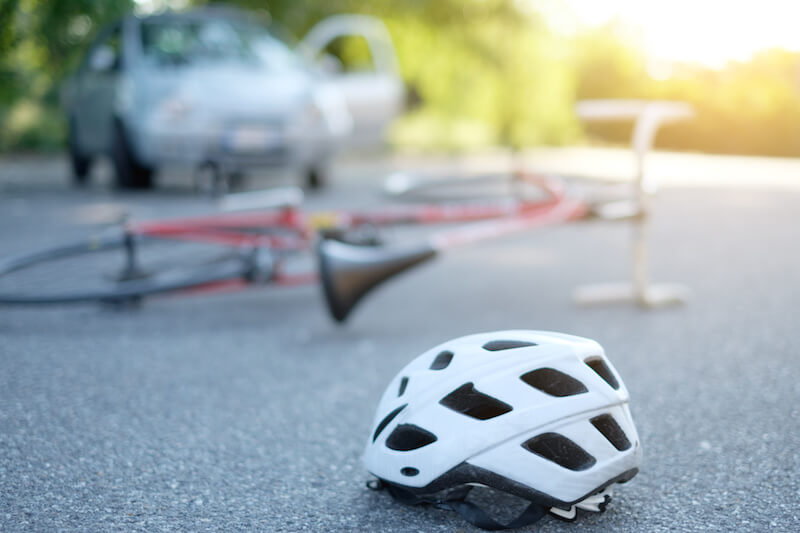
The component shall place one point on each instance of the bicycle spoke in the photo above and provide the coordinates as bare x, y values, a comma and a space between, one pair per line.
109, 271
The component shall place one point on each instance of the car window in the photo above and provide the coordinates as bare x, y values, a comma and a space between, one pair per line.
352, 52
178, 42
273, 53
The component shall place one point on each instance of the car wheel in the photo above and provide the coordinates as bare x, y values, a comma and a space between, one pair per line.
210, 180
316, 177
237, 181
130, 174
81, 164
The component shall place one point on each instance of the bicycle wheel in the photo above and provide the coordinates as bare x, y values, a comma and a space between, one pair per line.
524, 187
117, 269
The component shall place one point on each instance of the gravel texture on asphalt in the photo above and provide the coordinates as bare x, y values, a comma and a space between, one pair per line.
249, 411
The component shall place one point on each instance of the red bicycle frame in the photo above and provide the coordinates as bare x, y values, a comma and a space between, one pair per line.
290, 229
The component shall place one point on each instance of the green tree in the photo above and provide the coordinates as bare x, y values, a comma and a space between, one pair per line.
487, 72
40, 42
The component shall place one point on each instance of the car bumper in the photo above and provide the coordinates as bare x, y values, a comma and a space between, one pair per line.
236, 146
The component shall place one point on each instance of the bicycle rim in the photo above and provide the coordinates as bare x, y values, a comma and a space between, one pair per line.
477, 187
102, 270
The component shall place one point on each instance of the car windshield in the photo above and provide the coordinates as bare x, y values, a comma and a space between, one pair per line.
180, 42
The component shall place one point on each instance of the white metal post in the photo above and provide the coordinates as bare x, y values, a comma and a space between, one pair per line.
648, 116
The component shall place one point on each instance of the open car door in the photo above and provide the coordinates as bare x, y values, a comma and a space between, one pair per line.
374, 92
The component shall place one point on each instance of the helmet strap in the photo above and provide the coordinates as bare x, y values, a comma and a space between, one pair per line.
455, 500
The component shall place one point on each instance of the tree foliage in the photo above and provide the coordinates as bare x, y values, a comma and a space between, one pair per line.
744, 108
40, 42
487, 72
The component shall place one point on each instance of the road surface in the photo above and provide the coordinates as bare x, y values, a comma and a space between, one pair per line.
249, 411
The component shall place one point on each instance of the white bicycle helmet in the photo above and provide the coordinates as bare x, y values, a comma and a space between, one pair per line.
540, 415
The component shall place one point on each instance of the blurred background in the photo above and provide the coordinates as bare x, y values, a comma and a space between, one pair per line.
482, 73
247, 409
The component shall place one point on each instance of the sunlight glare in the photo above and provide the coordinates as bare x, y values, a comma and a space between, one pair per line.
710, 32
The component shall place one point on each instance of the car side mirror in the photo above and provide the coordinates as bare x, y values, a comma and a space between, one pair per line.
103, 58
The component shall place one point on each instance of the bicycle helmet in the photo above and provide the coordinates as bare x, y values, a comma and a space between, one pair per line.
540, 415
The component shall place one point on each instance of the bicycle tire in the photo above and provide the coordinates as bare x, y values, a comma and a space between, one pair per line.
43, 277
465, 188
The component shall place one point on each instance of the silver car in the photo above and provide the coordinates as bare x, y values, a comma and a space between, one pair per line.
214, 89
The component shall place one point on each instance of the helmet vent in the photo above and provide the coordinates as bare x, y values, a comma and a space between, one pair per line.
409, 471
602, 370
442, 361
553, 382
407, 437
496, 346
385, 422
560, 450
403, 385
606, 425
468, 401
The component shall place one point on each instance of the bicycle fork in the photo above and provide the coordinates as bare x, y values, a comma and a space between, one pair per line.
131, 269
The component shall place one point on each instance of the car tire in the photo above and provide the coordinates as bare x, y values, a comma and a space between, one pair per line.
79, 163
130, 173
316, 177
210, 181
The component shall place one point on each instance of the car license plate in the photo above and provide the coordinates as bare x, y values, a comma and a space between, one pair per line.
254, 139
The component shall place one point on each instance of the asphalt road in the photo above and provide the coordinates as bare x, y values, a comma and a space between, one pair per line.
250, 410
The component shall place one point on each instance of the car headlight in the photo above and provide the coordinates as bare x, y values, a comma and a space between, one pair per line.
314, 114
175, 108
334, 111
306, 122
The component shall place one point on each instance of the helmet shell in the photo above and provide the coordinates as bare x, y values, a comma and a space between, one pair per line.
541, 414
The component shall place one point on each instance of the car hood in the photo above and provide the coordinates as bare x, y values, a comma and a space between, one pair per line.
235, 93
